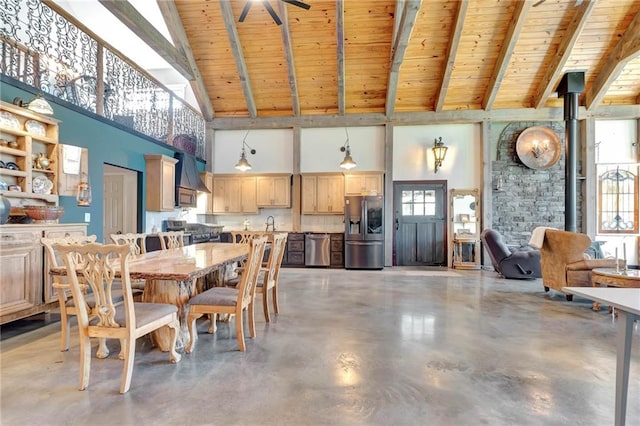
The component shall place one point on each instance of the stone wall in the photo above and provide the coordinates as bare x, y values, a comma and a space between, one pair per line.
525, 198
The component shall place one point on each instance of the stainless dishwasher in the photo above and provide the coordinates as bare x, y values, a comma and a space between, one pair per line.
316, 250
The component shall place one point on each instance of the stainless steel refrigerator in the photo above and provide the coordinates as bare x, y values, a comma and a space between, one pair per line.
364, 232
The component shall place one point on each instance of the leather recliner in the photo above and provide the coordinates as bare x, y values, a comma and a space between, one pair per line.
511, 262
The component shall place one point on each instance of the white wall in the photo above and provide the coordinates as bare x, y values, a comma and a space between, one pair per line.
413, 156
274, 150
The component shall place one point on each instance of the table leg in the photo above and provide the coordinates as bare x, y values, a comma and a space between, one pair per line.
625, 328
176, 293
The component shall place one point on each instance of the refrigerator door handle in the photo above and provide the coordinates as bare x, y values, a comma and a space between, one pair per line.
397, 224
362, 243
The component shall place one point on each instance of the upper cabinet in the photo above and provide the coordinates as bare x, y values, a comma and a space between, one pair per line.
323, 194
28, 153
161, 182
234, 194
363, 183
274, 191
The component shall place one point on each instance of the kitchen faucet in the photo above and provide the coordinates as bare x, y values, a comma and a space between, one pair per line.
271, 222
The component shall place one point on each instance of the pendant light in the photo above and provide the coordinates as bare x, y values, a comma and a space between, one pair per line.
243, 164
348, 162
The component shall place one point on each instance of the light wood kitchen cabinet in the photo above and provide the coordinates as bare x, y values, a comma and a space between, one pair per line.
160, 182
21, 272
60, 231
363, 184
323, 194
24, 272
27, 139
234, 194
274, 191
205, 201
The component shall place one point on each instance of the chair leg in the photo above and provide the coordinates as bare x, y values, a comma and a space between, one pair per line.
274, 296
85, 361
265, 305
252, 319
103, 351
240, 331
65, 331
212, 323
174, 329
127, 368
193, 332
123, 345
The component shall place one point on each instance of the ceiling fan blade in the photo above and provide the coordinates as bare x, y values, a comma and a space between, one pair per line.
245, 10
298, 3
272, 12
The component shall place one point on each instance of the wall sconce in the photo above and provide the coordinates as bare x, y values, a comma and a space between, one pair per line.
38, 104
348, 162
439, 152
83, 197
537, 148
243, 164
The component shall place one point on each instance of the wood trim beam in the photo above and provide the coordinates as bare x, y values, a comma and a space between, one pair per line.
555, 70
340, 53
288, 53
238, 55
452, 51
628, 48
506, 51
400, 43
428, 117
129, 15
178, 34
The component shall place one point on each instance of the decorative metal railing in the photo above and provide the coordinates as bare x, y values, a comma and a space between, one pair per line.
44, 49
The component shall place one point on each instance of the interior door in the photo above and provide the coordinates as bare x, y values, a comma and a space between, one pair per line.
120, 201
420, 212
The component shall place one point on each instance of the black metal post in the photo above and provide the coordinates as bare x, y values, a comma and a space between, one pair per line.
571, 85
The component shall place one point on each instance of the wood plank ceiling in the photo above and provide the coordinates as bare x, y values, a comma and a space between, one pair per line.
345, 57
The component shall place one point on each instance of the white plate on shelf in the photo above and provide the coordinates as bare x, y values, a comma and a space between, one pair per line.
35, 128
41, 185
9, 120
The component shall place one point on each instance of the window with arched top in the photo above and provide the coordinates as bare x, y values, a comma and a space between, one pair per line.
618, 201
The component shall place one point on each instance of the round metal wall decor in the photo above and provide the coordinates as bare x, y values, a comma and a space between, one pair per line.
538, 147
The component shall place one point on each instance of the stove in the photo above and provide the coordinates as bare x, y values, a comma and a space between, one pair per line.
201, 233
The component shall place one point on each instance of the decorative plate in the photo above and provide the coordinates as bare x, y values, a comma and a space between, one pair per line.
3, 186
9, 120
35, 128
538, 147
11, 166
41, 185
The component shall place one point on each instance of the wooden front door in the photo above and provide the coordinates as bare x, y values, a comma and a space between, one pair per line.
420, 213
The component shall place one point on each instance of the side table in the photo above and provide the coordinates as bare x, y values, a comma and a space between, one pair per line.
608, 277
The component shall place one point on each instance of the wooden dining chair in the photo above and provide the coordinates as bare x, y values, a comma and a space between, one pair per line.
138, 245
98, 265
63, 289
171, 239
226, 300
270, 272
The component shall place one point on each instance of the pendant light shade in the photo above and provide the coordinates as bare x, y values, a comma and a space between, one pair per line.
243, 164
347, 163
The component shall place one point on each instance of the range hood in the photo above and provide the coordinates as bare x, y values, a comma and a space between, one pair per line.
187, 174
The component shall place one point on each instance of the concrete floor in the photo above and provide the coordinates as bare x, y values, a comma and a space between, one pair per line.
393, 347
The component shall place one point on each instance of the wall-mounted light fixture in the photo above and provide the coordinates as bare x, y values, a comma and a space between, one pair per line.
243, 164
439, 152
38, 104
83, 197
348, 162
538, 148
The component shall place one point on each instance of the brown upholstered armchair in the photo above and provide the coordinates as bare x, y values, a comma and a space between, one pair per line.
564, 263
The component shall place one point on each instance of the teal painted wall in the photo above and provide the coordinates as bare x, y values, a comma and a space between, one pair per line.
107, 145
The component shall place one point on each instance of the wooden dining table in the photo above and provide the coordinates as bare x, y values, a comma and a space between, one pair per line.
175, 275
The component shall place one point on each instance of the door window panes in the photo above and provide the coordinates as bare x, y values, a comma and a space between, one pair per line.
419, 203
618, 204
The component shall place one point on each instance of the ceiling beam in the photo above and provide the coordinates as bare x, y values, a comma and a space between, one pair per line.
129, 15
555, 70
508, 45
400, 43
452, 51
288, 53
238, 55
422, 118
180, 40
628, 48
340, 48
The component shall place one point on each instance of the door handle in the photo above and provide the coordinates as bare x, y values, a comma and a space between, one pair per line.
397, 224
